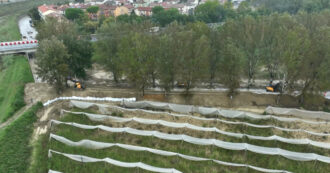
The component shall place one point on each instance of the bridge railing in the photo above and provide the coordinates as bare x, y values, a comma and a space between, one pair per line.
18, 45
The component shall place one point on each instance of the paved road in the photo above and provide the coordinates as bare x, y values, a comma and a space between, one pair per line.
26, 29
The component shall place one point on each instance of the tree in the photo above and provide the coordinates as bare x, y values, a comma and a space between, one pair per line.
165, 17
193, 55
80, 51
167, 63
315, 70
248, 33
231, 66
106, 49
34, 14
210, 12
52, 58
73, 13
215, 55
133, 51
93, 9
157, 10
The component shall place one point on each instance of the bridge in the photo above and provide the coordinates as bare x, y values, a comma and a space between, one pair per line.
15, 47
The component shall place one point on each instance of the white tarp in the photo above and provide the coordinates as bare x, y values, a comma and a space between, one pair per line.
101, 145
202, 141
85, 159
89, 99
98, 117
298, 113
207, 111
51, 171
102, 108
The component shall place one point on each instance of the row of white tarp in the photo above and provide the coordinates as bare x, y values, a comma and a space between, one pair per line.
208, 111
52, 171
85, 159
201, 141
98, 117
298, 113
101, 145
102, 107
90, 99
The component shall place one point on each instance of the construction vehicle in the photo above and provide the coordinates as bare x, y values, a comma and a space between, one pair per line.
274, 87
77, 84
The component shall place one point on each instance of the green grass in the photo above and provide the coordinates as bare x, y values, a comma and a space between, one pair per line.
82, 119
14, 142
61, 163
266, 161
12, 79
9, 30
25, 6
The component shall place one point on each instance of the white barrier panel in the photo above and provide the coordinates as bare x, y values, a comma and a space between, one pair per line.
89, 99
101, 145
208, 111
51, 171
85, 159
85, 105
201, 141
97, 117
298, 113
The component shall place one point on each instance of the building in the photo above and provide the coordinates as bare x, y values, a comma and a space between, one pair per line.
48, 10
143, 11
121, 10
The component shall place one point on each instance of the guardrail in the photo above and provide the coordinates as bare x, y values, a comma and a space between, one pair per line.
18, 46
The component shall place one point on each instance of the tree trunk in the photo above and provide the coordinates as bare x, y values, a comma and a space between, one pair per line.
115, 77
153, 80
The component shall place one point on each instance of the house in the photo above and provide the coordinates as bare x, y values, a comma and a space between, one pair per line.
49, 10
143, 11
121, 10
107, 10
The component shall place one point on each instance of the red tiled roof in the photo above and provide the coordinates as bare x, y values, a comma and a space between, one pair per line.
144, 8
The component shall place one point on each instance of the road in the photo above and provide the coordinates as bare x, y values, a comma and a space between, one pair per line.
26, 29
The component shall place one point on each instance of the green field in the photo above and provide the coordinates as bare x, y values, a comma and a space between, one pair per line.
9, 28
15, 150
12, 79
61, 163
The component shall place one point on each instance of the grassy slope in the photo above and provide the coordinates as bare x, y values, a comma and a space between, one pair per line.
61, 163
9, 29
12, 80
14, 141
16, 74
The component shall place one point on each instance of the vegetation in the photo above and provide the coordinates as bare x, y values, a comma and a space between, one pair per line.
245, 41
92, 9
52, 58
74, 59
63, 164
73, 13
16, 74
14, 141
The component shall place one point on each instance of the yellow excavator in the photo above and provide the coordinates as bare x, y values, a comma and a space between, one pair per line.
77, 84
274, 87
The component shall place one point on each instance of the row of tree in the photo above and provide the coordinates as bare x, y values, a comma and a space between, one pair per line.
292, 48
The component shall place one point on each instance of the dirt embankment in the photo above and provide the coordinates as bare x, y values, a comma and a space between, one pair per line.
244, 100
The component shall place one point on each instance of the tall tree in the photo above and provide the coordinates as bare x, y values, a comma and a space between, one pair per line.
168, 60
193, 55
73, 13
107, 47
80, 51
210, 12
52, 58
92, 9
231, 66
